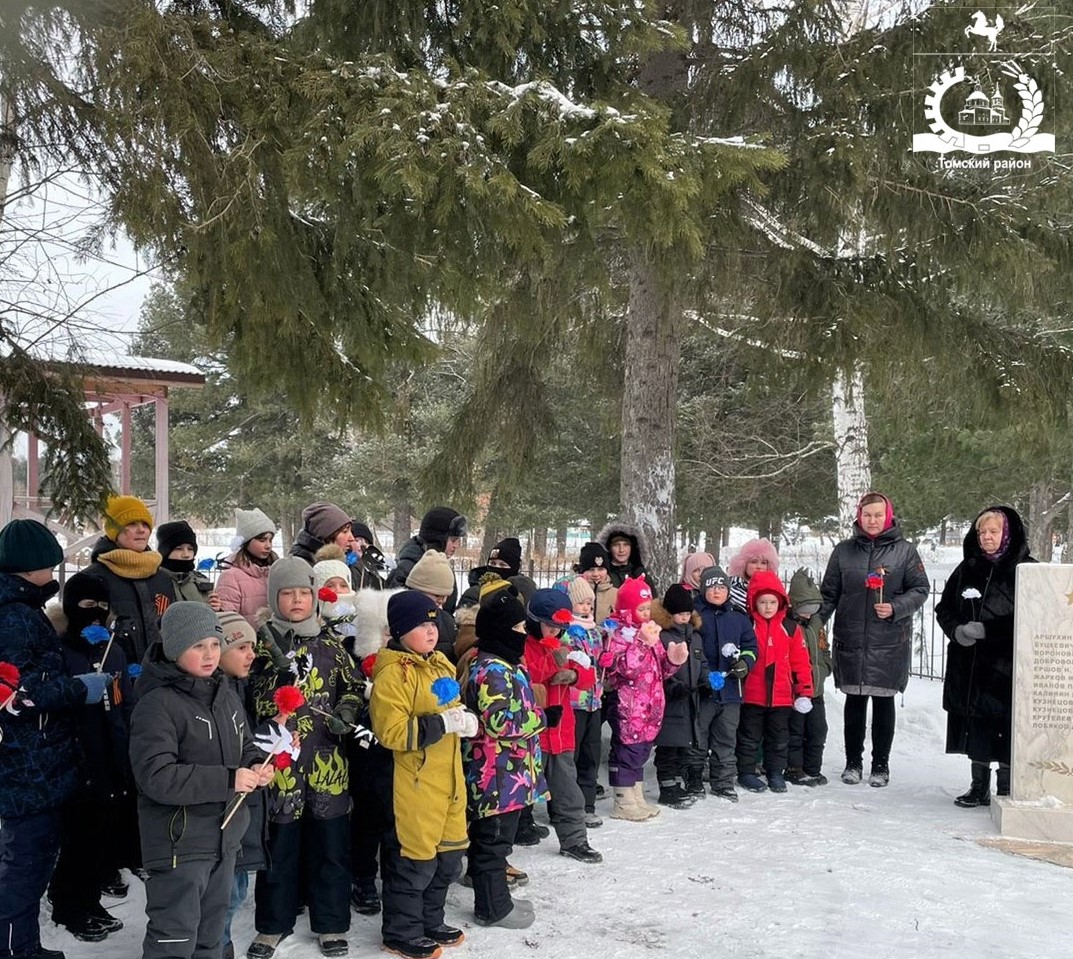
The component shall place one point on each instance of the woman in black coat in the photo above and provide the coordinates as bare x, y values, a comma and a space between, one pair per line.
976, 614
872, 628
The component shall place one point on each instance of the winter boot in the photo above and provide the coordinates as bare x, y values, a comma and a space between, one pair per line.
1002, 780
695, 783
520, 917
639, 798
420, 948
625, 806
530, 833
673, 794
592, 819
364, 898
752, 782
264, 945
582, 852
979, 793
880, 776
776, 782
852, 774
333, 944
446, 935
729, 793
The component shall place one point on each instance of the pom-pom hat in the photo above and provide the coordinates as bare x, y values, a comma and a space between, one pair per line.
551, 607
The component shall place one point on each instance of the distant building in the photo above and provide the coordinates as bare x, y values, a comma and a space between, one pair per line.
979, 111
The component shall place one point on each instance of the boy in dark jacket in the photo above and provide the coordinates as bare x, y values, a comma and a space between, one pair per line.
682, 741
730, 651
191, 756
105, 802
38, 763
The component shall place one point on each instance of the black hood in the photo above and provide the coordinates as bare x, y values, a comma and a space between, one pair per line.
1016, 548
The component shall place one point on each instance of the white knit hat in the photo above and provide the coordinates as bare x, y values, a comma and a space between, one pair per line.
250, 523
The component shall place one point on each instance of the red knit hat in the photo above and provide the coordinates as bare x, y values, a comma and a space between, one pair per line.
631, 594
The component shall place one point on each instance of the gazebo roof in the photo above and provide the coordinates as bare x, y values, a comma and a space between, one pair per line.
105, 373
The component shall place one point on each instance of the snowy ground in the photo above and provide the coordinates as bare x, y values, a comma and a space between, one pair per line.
836, 871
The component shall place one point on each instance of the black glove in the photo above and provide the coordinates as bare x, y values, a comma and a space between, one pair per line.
553, 714
344, 718
739, 670
276, 645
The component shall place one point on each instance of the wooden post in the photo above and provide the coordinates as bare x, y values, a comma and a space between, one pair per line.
7, 477
124, 448
161, 424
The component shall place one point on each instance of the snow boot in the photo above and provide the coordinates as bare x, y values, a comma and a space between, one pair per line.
582, 852
674, 795
879, 776
420, 948
364, 899
592, 819
852, 775
639, 798
752, 782
530, 833
729, 793
695, 783
520, 917
446, 935
333, 944
776, 782
264, 945
979, 793
625, 806
1002, 780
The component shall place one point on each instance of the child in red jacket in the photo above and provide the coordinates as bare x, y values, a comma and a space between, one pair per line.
780, 682
554, 663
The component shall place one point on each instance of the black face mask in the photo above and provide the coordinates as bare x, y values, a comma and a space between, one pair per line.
85, 588
178, 565
504, 642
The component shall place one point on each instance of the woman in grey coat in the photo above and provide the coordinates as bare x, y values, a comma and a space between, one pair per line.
875, 582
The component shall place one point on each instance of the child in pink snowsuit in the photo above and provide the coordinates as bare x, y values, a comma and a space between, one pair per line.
637, 665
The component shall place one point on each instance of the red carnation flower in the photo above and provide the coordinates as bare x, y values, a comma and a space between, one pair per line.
9, 675
873, 581
281, 760
562, 617
326, 595
288, 699
367, 665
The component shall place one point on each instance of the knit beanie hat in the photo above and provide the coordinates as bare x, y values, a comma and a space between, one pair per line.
634, 592
184, 624
440, 523
250, 523
121, 511
694, 562
714, 576
170, 536
322, 520
580, 590
432, 573
26, 545
330, 565
677, 599
408, 610
291, 572
361, 531
90, 589
236, 630
593, 555
508, 551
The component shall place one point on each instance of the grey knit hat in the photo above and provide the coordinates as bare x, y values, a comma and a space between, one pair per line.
291, 572
236, 630
250, 523
323, 519
184, 624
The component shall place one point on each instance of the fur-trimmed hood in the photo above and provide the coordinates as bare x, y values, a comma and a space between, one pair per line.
636, 535
370, 620
754, 549
666, 621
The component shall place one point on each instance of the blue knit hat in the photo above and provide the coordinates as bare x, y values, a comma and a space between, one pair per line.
543, 606
408, 610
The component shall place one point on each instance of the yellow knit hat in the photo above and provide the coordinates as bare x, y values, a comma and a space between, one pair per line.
121, 511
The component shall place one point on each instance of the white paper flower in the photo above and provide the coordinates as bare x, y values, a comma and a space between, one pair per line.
729, 649
970, 593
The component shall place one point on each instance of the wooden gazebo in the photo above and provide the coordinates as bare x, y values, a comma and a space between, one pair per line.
113, 385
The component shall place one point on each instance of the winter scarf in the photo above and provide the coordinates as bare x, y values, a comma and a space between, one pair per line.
130, 564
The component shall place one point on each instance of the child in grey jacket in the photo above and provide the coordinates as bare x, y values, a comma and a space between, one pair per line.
191, 754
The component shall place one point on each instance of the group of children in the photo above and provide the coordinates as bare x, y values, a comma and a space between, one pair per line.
244, 745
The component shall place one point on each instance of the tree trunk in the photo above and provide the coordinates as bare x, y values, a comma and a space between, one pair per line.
490, 538
646, 486
540, 541
560, 541
853, 467
7, 149
1040, 521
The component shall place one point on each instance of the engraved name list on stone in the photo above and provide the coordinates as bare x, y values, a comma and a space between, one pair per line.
1052, 681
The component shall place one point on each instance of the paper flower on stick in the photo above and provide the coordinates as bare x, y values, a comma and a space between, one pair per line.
971, 593
730, 650
9, 676
327, 595
717, 681
205, 565
352, 558
445, 690
610, 625
577, 633
96, 634
281, 760
134, 670
873, 581
288, 699
367, 665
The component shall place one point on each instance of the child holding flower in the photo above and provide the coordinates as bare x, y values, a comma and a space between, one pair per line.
417, 714
637, 664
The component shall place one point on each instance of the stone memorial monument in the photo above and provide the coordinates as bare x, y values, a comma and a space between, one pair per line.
1040, 804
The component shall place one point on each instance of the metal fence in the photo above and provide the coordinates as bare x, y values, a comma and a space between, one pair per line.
929, 643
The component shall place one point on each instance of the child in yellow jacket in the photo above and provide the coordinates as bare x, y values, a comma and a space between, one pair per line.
417, 714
